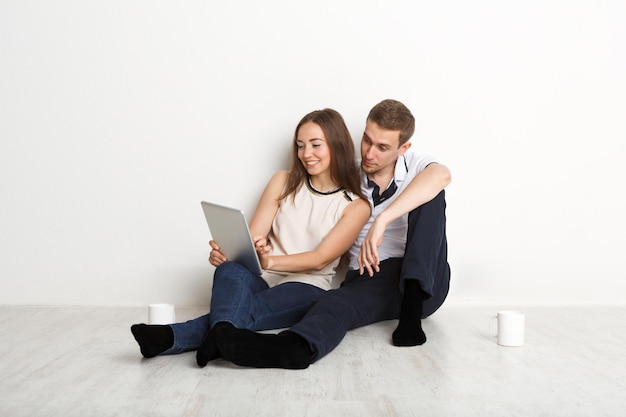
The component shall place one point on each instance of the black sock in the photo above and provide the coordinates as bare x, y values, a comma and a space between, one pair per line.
409, 331
246, 348
153, 339
208, 350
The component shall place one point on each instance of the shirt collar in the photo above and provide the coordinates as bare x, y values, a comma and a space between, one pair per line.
402, 169
400, 172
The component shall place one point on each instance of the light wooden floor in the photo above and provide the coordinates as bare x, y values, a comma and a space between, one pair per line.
83, 361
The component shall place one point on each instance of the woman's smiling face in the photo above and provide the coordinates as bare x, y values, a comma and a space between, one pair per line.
313, 149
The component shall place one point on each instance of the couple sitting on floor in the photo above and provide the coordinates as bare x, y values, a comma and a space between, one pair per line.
307, 218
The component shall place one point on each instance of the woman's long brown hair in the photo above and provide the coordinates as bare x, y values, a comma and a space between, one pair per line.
343, 168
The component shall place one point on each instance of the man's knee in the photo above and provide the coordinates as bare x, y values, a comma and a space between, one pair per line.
436, 206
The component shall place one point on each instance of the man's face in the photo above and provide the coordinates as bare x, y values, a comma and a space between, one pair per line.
380, 148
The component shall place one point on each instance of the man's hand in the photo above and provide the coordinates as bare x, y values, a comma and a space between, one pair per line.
368, 256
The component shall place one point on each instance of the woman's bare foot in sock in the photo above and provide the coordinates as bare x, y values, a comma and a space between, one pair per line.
153, 339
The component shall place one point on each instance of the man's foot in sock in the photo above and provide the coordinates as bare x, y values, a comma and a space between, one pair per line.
409, 331
285, 350
153, 339
408, 335
208, 350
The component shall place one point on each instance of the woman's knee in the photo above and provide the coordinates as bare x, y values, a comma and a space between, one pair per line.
229, 270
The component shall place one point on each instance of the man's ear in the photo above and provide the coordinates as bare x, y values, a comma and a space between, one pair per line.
404, 148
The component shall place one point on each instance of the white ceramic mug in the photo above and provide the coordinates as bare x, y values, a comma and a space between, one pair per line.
510, 328
161, 313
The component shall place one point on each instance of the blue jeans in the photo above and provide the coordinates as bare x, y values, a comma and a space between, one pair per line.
245, 300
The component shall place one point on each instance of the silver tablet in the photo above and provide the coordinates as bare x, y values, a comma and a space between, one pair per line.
229, 228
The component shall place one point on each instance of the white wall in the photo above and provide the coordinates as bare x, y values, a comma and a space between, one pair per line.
118, 117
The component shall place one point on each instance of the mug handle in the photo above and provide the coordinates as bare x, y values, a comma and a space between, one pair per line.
493, 333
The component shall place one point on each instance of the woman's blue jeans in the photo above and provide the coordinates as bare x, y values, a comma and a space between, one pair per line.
245, 300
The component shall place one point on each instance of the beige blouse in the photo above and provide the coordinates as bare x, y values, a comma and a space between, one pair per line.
303, 220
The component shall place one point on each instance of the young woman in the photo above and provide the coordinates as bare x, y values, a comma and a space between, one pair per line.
306, 219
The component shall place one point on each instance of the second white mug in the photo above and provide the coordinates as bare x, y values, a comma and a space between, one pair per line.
161, 314
510, 328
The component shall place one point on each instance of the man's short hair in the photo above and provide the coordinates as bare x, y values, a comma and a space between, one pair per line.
393, 115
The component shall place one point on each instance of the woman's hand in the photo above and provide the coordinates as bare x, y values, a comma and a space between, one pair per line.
263, 249
216, 258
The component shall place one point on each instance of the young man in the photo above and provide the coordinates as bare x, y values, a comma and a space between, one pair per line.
399, 266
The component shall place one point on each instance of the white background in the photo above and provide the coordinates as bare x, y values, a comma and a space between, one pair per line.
118, 117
